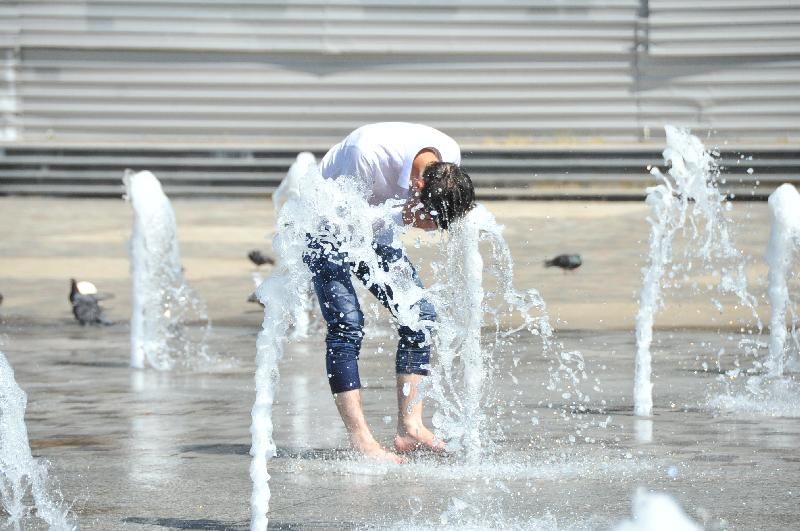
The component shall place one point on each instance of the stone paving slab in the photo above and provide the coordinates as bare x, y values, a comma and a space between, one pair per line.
148, 450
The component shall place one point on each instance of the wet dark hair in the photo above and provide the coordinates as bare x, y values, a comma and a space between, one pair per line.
448, 193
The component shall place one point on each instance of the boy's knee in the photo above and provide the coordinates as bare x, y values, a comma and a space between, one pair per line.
413, 361
427, 312
347, 326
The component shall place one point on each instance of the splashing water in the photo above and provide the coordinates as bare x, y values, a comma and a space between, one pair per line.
340, 210
462, 374
287, 303
20, 473
688, 202
163, 302
784, 244
290, 188
766, 389
336, 209
279, 294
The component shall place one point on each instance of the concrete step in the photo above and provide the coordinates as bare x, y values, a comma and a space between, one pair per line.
87, 171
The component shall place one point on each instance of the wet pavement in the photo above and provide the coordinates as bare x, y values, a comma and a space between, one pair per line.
148, 450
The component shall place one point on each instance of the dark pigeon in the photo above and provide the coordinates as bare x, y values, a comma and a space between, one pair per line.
254, 298
565, 261
259, 258
86, 306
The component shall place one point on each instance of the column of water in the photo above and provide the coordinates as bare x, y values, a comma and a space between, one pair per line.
290, 189
280, 295
784, 243
466, 270
162, 301
663, 226
20, 473
687, 201
459, 379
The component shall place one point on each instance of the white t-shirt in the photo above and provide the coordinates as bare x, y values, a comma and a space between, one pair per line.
381, 155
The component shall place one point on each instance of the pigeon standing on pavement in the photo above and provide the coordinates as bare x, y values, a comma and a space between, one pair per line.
259, 258
85, 303
565, 261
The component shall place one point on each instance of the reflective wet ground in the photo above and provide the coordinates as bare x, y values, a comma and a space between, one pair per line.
148, 450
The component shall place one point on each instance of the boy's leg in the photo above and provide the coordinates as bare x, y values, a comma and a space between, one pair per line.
412, 434
413, 358
361, 439
341, 310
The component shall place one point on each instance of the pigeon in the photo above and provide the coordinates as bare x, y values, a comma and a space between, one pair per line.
85, 306
257, 280
565, 261
254, 298
1, 298
259, 258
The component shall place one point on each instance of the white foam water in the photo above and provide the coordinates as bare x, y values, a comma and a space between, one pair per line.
653, 511
757, 395
163, 303
784, 244
686, 202
20, 473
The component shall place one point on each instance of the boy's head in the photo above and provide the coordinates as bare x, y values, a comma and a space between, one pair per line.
448, 193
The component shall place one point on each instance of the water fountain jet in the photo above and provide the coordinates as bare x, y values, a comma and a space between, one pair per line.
20, 473
163, 303
688, 193
463, 372
783, 247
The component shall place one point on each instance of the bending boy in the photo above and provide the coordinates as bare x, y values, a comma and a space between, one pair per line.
419, 165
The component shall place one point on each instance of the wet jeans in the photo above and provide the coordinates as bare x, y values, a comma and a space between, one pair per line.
340, 307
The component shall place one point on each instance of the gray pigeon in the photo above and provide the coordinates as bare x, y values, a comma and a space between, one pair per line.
565, 261
85, 304
259, 258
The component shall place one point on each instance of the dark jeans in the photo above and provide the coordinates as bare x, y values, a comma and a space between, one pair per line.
340, 307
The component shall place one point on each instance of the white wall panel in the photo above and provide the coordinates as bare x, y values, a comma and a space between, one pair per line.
9, 98
303, 72
732, 67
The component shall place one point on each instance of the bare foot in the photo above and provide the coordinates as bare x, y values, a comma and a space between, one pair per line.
409, 439
371, 449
